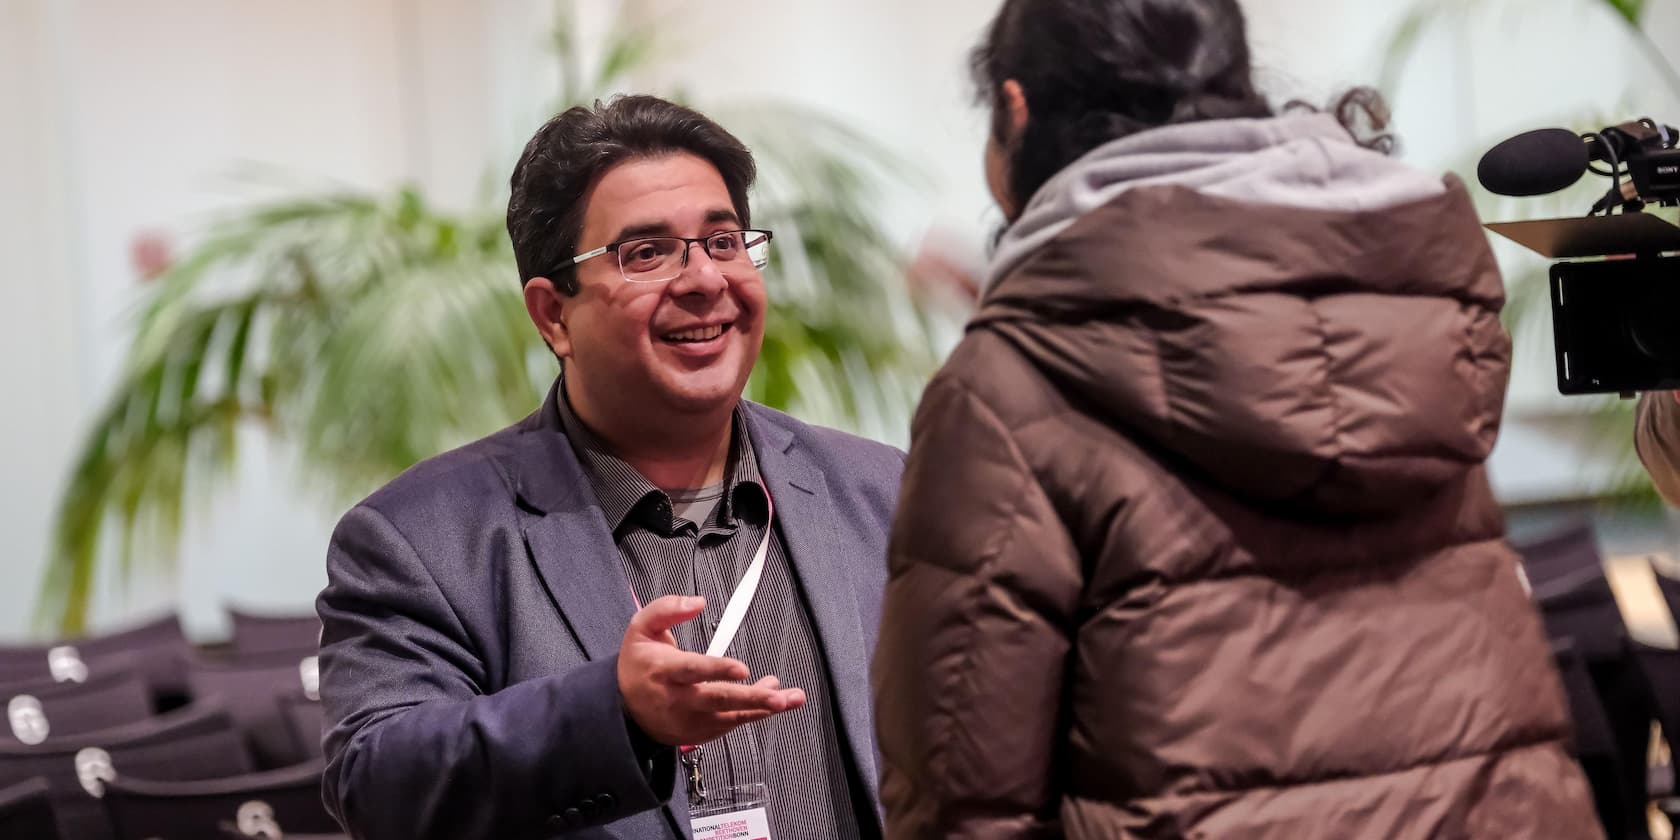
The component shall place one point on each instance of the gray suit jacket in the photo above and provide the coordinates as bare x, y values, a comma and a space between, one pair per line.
472, 618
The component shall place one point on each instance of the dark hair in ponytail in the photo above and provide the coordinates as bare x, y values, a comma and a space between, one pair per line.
1094, 71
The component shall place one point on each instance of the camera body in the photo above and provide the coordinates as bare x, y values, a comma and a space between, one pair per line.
1615, 299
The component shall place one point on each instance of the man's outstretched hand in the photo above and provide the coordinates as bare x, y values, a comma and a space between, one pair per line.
677, 697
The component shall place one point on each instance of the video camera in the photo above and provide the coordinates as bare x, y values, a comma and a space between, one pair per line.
1615, 288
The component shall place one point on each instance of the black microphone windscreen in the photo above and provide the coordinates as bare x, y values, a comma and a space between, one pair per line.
1534, 163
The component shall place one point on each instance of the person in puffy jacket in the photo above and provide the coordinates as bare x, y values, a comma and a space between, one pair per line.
1196, 539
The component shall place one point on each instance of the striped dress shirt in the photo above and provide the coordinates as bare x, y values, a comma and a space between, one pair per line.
796, 754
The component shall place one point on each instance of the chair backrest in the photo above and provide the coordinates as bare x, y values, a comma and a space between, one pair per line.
252, 690
303, 715
38, 710
1595, 740
26, 811
207, 716
162, 631
1662, 671
193, 743
152, 648
1581, 606
1592, 726
258, 634
270, 804
1567, 549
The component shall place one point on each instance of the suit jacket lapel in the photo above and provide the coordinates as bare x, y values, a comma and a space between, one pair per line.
573, 548
568, 535
807, 515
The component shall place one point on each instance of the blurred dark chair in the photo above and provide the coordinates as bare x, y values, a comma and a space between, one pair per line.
153, 648
198, 742
257, 634
302, 714
26, 812
69, 670
252, 689
269, 804
1662, 668
45, 707
1569, 548
1662, 671
1596, 748
1579, 605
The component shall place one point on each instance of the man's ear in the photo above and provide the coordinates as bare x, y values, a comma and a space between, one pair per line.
1015, 108
547, 307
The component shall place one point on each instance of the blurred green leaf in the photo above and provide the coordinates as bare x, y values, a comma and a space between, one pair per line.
1632, 10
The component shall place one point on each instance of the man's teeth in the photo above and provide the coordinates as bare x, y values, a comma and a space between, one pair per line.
702, 334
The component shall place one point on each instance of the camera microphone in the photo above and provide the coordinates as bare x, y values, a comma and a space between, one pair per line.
1550, 159
1534, 163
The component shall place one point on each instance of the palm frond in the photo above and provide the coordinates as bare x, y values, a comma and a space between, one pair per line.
1631, 10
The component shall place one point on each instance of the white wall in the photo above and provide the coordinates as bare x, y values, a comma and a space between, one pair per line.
41, 354
137, 117
122, 116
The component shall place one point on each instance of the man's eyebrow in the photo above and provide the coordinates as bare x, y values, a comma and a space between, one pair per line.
637, 231
723, 214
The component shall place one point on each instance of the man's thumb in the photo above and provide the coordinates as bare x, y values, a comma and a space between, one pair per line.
662, 614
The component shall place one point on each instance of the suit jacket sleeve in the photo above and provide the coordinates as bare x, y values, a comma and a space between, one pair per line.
417, 748
970, 671
1657, 438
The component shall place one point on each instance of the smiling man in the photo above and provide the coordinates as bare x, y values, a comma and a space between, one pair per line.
649, 608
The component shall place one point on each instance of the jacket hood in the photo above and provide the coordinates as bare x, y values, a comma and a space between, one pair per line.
1301, 321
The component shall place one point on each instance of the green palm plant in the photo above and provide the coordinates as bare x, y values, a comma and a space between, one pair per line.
370, 331
1528, 314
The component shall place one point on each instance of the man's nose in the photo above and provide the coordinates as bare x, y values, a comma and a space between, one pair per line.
700, 274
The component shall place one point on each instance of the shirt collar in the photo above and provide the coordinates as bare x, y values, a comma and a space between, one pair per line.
623, 491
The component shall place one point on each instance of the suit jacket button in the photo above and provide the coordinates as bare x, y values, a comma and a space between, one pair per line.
606, 801
557, 823
589, 807
572, 815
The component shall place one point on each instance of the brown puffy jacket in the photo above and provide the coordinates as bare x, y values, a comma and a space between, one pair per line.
1196, 541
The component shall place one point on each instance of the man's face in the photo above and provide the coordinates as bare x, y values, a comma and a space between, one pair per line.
685, 346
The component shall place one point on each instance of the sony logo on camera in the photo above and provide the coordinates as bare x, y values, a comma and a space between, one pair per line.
1615, 285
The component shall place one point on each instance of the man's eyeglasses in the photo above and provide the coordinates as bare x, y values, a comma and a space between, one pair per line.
658, 259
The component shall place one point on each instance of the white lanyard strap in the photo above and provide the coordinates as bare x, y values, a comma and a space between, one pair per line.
736, 610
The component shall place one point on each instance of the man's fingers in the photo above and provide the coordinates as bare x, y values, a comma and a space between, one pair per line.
733, 697
658, 617
684, 668
734, 719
